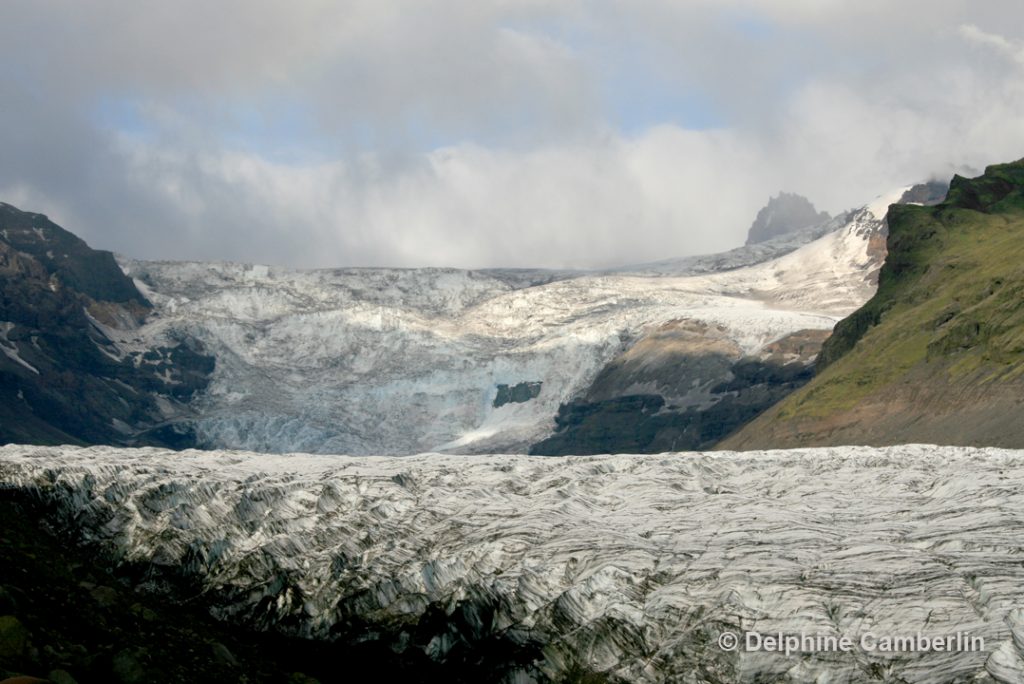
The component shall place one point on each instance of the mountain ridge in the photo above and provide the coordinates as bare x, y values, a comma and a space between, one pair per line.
785, 213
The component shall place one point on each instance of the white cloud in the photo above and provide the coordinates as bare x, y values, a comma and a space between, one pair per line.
478, 132
1008, 48
558, 205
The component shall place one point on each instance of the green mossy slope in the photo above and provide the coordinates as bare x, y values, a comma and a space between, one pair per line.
937, 355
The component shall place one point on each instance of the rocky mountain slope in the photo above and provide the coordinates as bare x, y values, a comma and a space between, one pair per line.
62, 378
937, 354
588, 569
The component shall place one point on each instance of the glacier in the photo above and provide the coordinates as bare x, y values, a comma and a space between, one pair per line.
403, 361
624, 567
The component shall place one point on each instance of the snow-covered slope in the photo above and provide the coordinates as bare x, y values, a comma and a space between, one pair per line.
386, 361
629, 566
825, 275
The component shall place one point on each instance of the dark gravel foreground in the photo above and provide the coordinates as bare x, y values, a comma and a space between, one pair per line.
66, 617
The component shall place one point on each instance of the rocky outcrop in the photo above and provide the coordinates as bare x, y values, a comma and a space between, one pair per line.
519, 393
929, 194
74, 265
684, 386
64, 379
936, 354
785, 213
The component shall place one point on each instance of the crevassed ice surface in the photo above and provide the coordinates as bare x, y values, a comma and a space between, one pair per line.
391, 361
629, 566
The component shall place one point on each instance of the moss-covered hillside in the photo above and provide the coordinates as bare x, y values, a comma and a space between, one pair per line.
938, 354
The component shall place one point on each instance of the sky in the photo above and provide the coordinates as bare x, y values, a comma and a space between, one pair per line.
487, 133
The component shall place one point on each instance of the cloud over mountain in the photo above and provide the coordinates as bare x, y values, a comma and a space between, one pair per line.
477, 133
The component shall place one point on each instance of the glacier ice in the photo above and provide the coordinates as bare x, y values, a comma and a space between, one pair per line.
401, 361
628, 566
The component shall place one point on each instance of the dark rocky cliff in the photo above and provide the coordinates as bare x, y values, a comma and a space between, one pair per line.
62, 379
